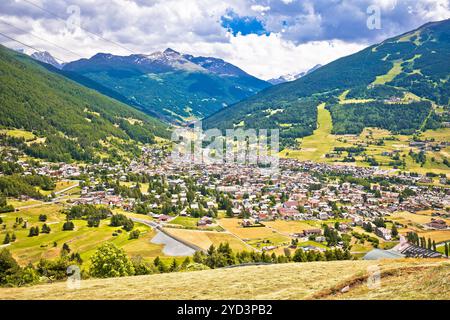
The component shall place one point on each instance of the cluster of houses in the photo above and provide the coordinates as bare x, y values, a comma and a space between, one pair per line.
296, 192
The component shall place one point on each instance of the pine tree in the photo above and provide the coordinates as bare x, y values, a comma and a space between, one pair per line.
434, 246
174, 266
65, 250
7, 239
13, 237
34, 231
45, 228
446, 249
185, 263
429, 246
394, 230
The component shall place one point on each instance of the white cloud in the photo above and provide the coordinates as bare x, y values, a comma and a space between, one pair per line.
260, 9
269, 56
303, 33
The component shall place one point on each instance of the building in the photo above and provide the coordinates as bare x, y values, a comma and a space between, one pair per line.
437, 224
383, 233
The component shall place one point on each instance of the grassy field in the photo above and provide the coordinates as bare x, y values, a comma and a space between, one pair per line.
130, 184
60, 185
322, 142
410, 284
252, 233
407, 218
204, 239
436, 235
186, 222
388, 77
315, 147
16, 133
18, 203
315, 280
289, 227
83, 239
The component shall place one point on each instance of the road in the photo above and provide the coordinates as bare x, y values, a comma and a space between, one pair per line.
55, 200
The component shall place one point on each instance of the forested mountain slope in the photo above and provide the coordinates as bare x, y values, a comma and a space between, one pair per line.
73, 119
175, 86
390, 85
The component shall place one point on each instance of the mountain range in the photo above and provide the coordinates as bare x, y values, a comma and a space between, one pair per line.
46, 57
395, 85
292, 77
400, 84
177, 87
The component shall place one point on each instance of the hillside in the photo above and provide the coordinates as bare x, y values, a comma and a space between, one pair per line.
175, 86
402, 279
70, 119
388, 85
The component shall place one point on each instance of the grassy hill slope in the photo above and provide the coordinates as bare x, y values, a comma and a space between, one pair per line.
72, 118
424, 279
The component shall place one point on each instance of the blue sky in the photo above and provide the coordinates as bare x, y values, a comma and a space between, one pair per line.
266, 38
243, 25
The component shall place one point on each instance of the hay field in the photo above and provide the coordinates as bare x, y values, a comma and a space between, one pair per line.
283, 281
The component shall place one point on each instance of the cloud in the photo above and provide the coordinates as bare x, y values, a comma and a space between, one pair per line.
264, 37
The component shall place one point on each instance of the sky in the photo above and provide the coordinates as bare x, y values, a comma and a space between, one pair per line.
266, 38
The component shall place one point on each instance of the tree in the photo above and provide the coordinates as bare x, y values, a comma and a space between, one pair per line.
229, 212
299, 256
394, 230
42, 218
118, 220
174, 266
45, 228
68, 226
134, 234
34, 231
185, 263
434, 246
110, 261
8, 266
140, 266
93, 222
65, 250
198, 257
429, 246
7, 239
446, 249
160, 265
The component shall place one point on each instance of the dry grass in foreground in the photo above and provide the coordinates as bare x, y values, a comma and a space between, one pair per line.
427, 280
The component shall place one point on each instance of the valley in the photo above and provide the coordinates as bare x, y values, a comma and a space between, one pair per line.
374, 146
90, 180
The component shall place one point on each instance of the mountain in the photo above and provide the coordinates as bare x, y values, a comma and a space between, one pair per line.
46, 57
77, 123
292, 77
175, 86
389, 85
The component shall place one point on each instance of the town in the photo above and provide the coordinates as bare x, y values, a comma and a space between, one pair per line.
369, 212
